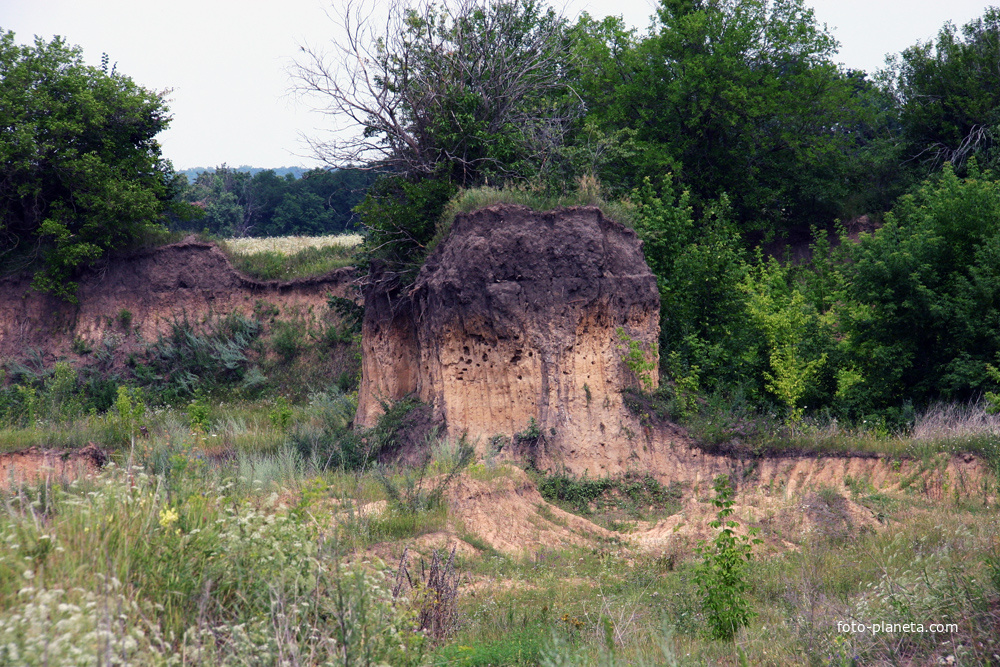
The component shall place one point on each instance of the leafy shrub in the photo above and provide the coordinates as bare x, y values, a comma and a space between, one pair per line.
721, 575
922, 293
197, 411
631, 492
125, 420
400, 217
699, 266
186, 360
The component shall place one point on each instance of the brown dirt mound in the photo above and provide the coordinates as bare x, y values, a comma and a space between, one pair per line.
33, 466
154, 287
509, 515
520, 317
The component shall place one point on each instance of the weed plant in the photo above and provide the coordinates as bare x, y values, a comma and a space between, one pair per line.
721, 575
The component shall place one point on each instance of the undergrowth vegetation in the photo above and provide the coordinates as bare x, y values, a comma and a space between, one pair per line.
296, 553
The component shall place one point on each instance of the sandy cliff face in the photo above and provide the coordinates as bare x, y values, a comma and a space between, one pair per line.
189, 279
520, 315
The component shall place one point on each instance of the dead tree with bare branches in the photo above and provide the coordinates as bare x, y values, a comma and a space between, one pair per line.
470, 90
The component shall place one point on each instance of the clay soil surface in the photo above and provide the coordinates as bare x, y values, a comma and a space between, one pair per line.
138, 297
786, 499
43, 466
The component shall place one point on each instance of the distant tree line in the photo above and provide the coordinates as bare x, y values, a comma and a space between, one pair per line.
229, 202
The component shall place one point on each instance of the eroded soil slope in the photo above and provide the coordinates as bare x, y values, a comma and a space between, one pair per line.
519, 322
787, 499
142, 294
47, 466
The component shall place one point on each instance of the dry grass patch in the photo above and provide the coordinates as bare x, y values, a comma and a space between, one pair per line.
289, 245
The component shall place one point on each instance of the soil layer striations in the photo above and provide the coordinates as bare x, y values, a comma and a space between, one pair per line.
515, 332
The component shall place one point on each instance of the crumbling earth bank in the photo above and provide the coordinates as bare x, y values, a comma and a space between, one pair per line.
143, 294
518, 316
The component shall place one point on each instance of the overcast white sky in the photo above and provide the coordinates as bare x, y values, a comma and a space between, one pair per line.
225, 59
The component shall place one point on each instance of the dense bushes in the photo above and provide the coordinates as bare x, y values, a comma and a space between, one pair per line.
909, 313
922, 294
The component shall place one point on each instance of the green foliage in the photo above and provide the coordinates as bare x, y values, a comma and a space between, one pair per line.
328, 438
531, 434
281, 415
722, 574
234, 202
400, 217
948, 97
288, 338
789, 323
463, 93
733, 97
699, 268
921, 316
82, 172
125, 419
198, 411
634, 494
351, 318
640, 363
187, 360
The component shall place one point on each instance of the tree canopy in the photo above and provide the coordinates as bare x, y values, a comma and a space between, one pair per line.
463, 90
739, 97
81, 169
949, 95
239, 203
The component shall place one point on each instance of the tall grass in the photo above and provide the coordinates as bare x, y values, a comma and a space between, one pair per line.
291, 257
289, 245
212, 577
306, 263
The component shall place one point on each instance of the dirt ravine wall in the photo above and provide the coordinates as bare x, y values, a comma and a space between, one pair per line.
153, 287
521, 315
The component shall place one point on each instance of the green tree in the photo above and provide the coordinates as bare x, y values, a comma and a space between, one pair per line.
463, 91
699, 266
81, 170
736, 96
949, 94
922, 293
303, 213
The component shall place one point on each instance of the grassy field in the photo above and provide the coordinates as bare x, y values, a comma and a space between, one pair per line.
220, 536
291, 257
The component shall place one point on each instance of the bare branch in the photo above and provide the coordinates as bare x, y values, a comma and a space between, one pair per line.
433, 88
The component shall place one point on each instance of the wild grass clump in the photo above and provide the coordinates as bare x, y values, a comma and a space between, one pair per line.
127, 568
